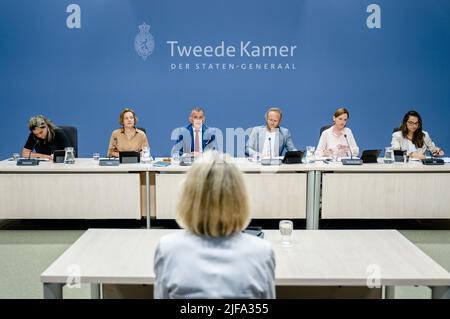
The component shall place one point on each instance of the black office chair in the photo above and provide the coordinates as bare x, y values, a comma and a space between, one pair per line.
142, 129
323, 128
396, 129
72, 134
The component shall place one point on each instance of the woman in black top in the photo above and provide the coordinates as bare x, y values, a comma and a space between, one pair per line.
45, 138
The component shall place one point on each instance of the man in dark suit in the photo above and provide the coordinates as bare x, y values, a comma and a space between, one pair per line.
196, 137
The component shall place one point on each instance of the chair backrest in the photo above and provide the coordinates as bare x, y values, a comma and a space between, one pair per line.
323, 128
396, 129
72, 134
142, 129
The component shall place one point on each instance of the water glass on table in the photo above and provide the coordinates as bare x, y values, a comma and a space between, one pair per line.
310, 154
286, 227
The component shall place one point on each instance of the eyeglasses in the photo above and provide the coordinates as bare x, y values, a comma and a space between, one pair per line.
413, 123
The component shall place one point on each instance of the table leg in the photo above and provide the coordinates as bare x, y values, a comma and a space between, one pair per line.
53, 290
313, 200
317, 197
389, 292
440, 292
147, 197
95, 291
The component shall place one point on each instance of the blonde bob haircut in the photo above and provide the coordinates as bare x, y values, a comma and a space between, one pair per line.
214, 199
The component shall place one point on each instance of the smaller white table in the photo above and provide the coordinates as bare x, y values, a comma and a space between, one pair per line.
315, 258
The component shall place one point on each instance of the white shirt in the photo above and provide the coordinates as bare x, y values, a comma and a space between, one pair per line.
270, 147
199, 136
330, 140
191, 266
410, 147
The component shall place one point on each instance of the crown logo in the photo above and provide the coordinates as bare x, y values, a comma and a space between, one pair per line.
144, 43
144, 27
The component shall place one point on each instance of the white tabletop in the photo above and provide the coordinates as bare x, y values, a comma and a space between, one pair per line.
244, 164
81, 165
89, 165
316, 257
413, 166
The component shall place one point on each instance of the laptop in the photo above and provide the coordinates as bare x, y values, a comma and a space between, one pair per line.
58, 156
370, 156
398, 156
129, 157
293, 157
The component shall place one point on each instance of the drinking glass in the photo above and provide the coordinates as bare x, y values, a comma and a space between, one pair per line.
388, 155
69, 158
286, 227
310, 154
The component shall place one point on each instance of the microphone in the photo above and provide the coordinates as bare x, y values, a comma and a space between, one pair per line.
270, 161
350, 161
270, 149
348, 144
28, 161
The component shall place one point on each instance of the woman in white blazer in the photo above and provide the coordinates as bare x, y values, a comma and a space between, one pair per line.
412, 139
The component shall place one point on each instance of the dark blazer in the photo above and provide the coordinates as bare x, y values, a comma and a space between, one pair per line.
184, 139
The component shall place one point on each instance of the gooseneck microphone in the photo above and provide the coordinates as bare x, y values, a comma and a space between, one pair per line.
28, 161
350, 161
348, 144
270, 149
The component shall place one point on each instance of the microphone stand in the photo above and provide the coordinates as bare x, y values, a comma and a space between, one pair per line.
349, 148
270, 150
350, 161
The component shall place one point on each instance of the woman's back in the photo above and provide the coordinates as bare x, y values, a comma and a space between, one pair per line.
192, 266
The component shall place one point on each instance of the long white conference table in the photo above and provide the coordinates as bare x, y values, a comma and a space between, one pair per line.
85, 190
365, 258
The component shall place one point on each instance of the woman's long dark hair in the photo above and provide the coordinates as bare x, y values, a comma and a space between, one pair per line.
418, 137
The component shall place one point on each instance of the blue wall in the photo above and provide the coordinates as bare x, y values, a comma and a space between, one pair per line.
84, 77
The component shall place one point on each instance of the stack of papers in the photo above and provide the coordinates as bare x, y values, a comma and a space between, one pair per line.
161, 164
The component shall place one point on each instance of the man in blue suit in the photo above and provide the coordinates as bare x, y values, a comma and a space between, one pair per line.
270, 140
196, 137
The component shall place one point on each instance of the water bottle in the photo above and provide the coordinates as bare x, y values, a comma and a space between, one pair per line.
145, 155
175, 159
69, 157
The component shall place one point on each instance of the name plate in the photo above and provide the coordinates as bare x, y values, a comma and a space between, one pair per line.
270, 161
27, 162
351, 161
433, 161
108, 162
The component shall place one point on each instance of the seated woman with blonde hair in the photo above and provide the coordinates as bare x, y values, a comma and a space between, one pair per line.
45, 138
127, 138
212, 257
